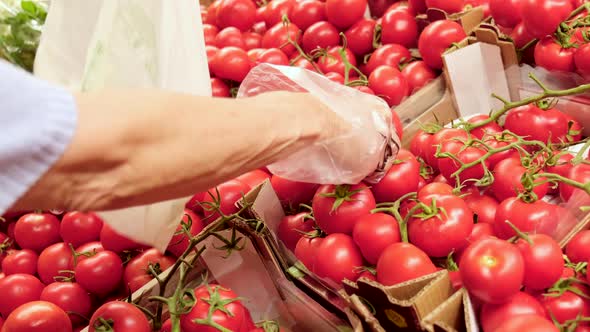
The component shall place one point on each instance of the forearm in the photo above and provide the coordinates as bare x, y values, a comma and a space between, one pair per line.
138, 147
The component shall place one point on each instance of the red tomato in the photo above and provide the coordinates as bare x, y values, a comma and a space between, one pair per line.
252, 40
435, 189
483, 206
444, 229
18, 289
417, 6
402, 178
180, 241
53, 261
37, 316
282, 36
359, 37
194, 203
292, 228
138, 270
436, 38
418, 74
236, 13
421, 144
578, 248
543, 261
579, 173
20, 261
506, 12
219, 88
101, 273
231, 63
276, 9
582, 59
123, 316
507, 180
561, 166
304, 63
292, 193
320, 35
344, 13
211, 57
529, 323
229, 193
401, 262
212, 13
389, 84
78, 228
365, 89
230, 36
397, 122
70, 297
479, 231
337, 208
552, 56
375, 232
256, 177
36, 231
399, 27
227, 311
388, 55
491, 128
210, 32
488, 263
335, 77
333, 62
113, 241
493, 315
166, 326
564, 307
306, 251
520, 35
538, 217
449, 6
542, 17
448, 166
307, 12
338, 258
273, 56
440, 138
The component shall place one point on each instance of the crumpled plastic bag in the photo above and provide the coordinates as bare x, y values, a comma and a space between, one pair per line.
371, 146
92, 44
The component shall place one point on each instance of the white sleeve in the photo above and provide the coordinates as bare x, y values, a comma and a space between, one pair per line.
37, 123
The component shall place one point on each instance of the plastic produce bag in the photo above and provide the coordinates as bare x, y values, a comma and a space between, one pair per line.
371, 146
91, 44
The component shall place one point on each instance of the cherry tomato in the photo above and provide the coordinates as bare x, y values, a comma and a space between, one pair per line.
359, 37
552, 56
18, 289
506, 12
418, 74
333, 61
304, 63
230, 36
542, 17
180, 241
229, 193
401, 262
465, 155
320, 35
113, 241
491, 128
276, 9
231, 63
338, 258
421, 144
579, 173
212, 13
564, 307
53, 261
399, 27
306, 251
219, 88
307, 12
36, 231
273, 56
99, 274
138, 271
210, 32
337, 208
578, 248
37, 316
388, 55
508, 175
538, 217
291, 228
251, 40
279, 35
493, 315
390, 84
20, 261
440, 138
123, 316
449, 6
490, 262
435, 189
375, 232
344, 13
529, 323
436, 38
71, 298
402, 178
78, 228
543, 261
236, 13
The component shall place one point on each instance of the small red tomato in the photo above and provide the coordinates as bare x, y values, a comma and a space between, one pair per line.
53, 261
307, 12
113, 241
230, 36
542, 17
292, 193
252, 40
37, 316
256, 177
390, 84
375, 232
306, 251
506, 12
483, 206
37, 231
140, 269
122, 316
282, 36
210, 32
399, 27
219, 88
231, 63
71, 298
292, 228
226, 194
491, 128
101, 273
392, 55
320, 35
338, 258
359, 37
579, 173
550, 55
538, 217
20, 261
344, 13
508, 174
436, 38
402, 178
236, 13
565, 307
493, 315
401, 262
180, 241
18, 289
543, 261
276, 10
78, 228
578, 248
418, 74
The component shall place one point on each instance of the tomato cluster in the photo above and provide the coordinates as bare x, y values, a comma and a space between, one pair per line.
332, 37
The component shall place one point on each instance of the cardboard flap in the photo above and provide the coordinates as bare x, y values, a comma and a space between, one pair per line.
401, 307
456, 314
422, 100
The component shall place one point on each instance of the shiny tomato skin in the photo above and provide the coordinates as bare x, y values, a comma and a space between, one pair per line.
553, 57
37, 316
401, 262
137, 271
375, 232
229, 193
341, 219
436, 38
493, 315
20, 262
543, 261
565, 307
402, 178
293, 193
538, 217
273, 56
496, 141
231, 63
399, 27
579, 173
36, 231
18, 289
278, 37
53, 261
537, 124
445, 232
490, 262
219, 89
578, 248
391, 55
465, 154
434, 189
449, 6
344, 13
542, 17
507, 180
256, 177
528, 323
479, 231
421, 144
359, 37
418, 74
230, 36
582, 60
125, 317
291, 228
389, 84
210, 32
78, 228
483, 206
212, 13
70, 297
332, 61
440, 138
307, 12
488, 129
236, 13
276, 9
338, 258
101, 273
113, 241
320, 35
506, 12
180, 241
306, 251
252, 40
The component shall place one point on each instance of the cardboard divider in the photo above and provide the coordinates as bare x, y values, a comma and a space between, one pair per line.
454, 315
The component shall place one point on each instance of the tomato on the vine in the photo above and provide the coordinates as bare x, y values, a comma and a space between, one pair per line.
292, 193
180, 241
542, 17
392, 55
375, 232
506, 12
401, 262
438, 139
307, 12
566, 306
145, 267
320, 35
100, 273
225, 196
399, 27
543, 261
538, 217
359, 37
494, 315
483, 206
582, 59
338, 258
508, 175
53, 261
578, 248
306, 251
236, 13
333, 60
463, 155
293, 227
550, 55
436, 38
401, 179
121, 316
37, 316
282, 36
579, 173
276, 10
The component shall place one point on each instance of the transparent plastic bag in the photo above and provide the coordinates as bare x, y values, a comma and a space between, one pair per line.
371, 145
128, 44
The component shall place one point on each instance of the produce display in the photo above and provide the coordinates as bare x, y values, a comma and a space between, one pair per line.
497, 201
